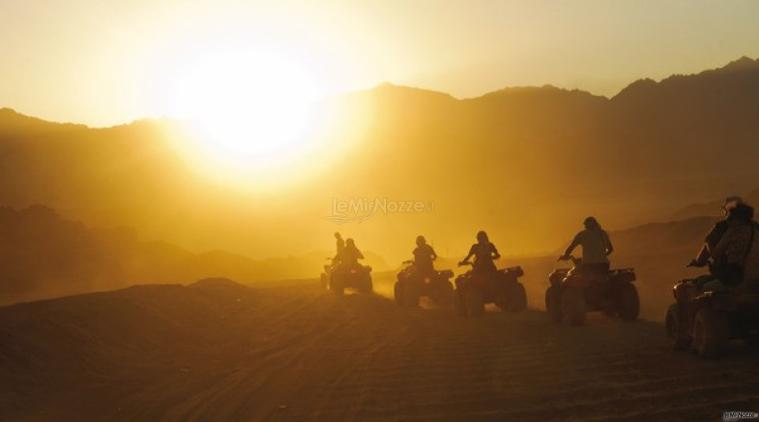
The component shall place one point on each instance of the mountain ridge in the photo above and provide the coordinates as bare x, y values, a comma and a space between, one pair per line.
741, 64
539, 159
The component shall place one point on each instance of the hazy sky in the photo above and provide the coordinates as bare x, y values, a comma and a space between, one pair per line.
110, 61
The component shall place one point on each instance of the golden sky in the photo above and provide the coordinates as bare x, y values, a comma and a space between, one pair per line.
113, 61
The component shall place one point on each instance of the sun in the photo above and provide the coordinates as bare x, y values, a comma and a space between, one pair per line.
251, 111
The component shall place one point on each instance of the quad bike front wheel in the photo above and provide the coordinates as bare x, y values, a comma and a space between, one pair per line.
711, 333
518, 302
573, 308
628, 305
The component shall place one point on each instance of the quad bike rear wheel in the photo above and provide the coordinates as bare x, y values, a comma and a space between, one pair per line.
398, 293
473, 303
365, 285
553, 303
515, 300
406, 294
336, 286
711, 333
573, 306
444, 294
679, 340
458, 303
628, 304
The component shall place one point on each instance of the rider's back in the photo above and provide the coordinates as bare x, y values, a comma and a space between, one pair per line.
751, 272
595, 243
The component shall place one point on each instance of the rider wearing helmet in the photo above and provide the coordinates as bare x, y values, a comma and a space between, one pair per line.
596, 247
423, 257
484, 253
731, 258
716, 233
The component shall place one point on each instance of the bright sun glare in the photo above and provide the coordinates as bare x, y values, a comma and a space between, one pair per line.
251, 111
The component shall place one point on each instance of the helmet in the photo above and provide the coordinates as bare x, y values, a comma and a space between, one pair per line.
591, 222
482, 236
349, 242
730, 203
337, 235
420, 240
741, 212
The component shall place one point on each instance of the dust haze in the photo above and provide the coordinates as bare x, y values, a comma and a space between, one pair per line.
143, 279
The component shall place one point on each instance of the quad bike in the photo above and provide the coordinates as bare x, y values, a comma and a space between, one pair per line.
501, 287
706, 321
574, 292
411, 286
356, 277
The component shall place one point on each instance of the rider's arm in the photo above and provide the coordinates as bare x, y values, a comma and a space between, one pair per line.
434, 255
609, 246
702, 258
496, 255
471, 254
572, 246
359, 255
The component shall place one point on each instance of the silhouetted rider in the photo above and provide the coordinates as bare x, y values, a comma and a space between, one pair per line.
350, 255
339, 246
596, 247
484, 253
423, 257
711, 240
733, 260
730, 260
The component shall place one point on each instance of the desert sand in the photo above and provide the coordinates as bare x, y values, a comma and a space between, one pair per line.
220, 351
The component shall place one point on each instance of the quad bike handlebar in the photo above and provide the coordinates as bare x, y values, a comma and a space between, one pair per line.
463, 263
696, 264
572, 258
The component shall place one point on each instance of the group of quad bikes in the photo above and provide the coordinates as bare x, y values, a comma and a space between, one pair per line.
569, 297
701, 321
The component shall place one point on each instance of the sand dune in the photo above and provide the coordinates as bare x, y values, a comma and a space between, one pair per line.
219, 351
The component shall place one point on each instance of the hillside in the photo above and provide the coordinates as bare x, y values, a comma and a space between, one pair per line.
43, 255
713, 208
527, 164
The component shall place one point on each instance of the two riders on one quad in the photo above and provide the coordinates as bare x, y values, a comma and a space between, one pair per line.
590, 285
484, 283
419, 278
345, 271
712, 309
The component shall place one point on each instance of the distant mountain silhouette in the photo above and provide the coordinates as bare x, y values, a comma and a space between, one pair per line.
43, 255
714, 208
525, 163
